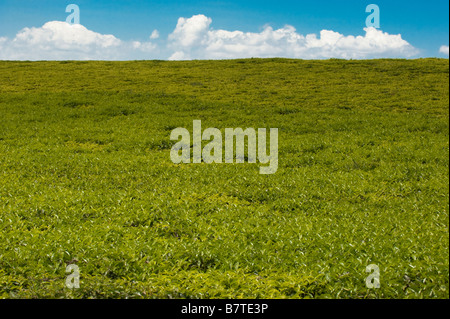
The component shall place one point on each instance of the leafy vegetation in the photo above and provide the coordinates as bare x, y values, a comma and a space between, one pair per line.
86, 178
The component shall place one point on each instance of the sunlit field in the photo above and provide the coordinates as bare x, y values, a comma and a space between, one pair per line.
86, 178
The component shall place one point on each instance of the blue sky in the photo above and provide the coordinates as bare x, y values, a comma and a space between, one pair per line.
424, 25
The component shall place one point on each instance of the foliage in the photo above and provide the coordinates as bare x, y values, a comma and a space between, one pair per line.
86, 178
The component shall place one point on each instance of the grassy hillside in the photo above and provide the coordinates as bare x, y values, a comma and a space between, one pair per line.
86, 178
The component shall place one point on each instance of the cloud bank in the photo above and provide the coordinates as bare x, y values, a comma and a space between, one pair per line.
194, 38
58, 40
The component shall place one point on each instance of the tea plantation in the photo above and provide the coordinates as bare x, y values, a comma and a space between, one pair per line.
86, 178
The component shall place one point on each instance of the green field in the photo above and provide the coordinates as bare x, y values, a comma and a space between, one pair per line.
86, 178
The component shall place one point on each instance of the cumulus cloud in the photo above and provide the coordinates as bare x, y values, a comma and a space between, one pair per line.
179, 56
190, 32
444, 49
154, 35
194, 38
57, 40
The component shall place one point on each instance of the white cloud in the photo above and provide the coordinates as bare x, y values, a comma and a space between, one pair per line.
190, 32
195, 38
57, 40
64, 36
179, 56
444, 50
144, 46
154, 35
